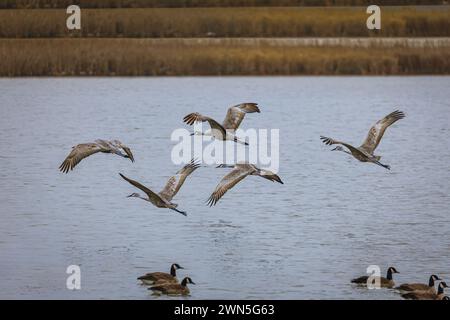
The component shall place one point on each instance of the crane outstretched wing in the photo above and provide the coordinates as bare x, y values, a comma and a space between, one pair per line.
78, 153
236, 114
228, 182
191, 118
175, 182
153, 196
376, 132
329, 141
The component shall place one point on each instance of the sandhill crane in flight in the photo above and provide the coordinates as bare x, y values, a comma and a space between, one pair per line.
226, 130
364, 153
240, 171
163, 199
84, 150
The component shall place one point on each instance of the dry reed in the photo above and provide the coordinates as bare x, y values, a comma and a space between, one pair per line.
226, 22
170, 57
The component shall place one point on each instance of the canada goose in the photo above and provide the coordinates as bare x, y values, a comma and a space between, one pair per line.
427, 295
364, 153
420, 286
163, 199
161, 277
387, 282
226, 130
173, 288
240, 171
81, 151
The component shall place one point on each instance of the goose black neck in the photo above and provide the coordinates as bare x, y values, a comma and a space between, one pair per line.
431, 282
389, 274
184, 282
173, 271
440, 289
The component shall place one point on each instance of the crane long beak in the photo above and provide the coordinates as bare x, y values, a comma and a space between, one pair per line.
276, 178
179, 211
383, 165
129, 154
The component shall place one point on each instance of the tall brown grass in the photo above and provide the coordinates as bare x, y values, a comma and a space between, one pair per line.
22, 4
226, 22
170, 57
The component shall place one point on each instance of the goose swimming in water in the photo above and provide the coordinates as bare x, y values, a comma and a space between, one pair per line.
173, 288
84, 150
364, 153
226, 130
387, 282
420, 286
240, 171
163, 199
427, 295
161, 277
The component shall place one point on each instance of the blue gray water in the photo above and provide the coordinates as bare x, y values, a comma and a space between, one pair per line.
305, 239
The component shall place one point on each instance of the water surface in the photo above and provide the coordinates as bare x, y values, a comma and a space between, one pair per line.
305, 239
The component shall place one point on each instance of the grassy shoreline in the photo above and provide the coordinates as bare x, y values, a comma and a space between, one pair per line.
226, 22
146, 57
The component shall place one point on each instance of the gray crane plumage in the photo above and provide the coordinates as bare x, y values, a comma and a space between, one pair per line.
232, 121
84, 150
364, 153
163, 199
240, 171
